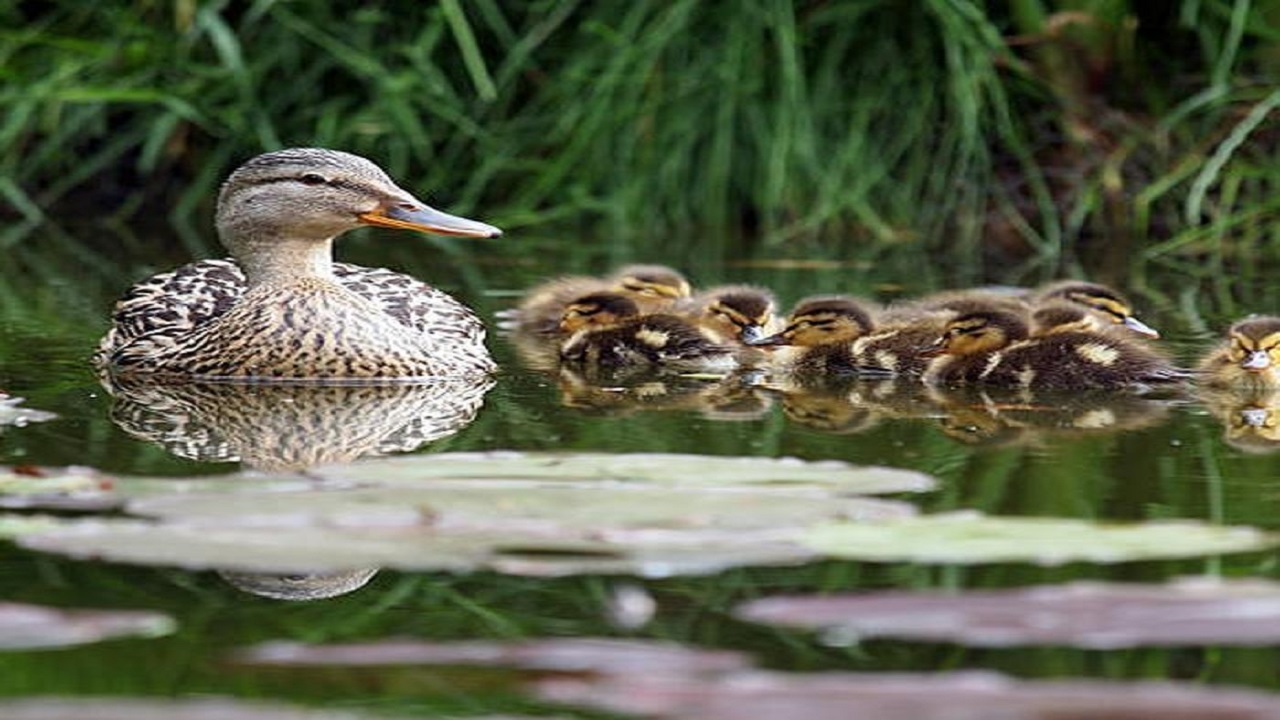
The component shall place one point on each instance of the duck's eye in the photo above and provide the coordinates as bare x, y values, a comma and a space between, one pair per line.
313, 179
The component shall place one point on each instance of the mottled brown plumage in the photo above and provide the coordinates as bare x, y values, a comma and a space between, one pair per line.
281, 310
904, 331
995, 347
607, 330
819, 337
654, 288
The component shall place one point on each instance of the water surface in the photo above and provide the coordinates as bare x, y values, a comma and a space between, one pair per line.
1118, 457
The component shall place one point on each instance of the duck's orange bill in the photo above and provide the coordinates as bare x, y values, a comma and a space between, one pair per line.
429, 220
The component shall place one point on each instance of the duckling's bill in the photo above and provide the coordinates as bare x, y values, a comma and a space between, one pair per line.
1140, 327
424, 218
1257, 361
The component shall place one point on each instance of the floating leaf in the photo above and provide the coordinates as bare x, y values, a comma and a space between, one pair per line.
12, 526
32, 626
1084, 614
284, 549
538, 507
974, 538
12, 412
68, 488
662, 469
565, 655
112, 708
531, 514
757, 695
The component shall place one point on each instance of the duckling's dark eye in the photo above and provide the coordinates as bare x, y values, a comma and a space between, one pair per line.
313, 179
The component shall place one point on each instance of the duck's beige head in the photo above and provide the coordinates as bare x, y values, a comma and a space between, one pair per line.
277, 203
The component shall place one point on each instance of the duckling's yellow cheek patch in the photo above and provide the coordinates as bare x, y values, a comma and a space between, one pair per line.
653, 338
1098, 354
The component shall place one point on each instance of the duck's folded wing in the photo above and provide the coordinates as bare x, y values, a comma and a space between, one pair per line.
171, 304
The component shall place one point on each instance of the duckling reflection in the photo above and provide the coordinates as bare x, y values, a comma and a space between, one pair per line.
299, 587
1003, 416
848, 405
1250, 416
827, 408
291, 427
632, 391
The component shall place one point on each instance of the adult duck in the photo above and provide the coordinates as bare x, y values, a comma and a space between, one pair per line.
281, 309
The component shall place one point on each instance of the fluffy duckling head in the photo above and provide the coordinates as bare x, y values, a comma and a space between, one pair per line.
1254, 344
658, 282
599, 309
980, 332
1060, 316
822, 321
737, 313
1100, 299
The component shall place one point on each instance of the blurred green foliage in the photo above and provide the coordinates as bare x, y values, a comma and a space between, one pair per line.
1036, 137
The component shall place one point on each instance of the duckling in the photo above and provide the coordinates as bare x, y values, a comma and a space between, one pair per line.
732, 314
952, 302
282, 310
1249, 357
1104, 302
995, 347
654, 288
907, 330
1060, 316
607, 330
968, 345
820, 331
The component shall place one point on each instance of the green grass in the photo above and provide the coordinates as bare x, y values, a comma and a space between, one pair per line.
1020, 140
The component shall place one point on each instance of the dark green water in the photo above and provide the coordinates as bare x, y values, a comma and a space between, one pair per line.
1104, 459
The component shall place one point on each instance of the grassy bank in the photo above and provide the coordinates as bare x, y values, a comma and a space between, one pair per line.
1027, 138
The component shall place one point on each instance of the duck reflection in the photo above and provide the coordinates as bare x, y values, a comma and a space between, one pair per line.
1250, 416
308, 586
283, 428
287, 428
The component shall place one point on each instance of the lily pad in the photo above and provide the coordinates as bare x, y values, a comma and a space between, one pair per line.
12, 413
757, 695
66, 488
113, 708
543, 514
1191, 611
539, 508
970, 537
654, 469
562, 655
32, 626
298, 549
